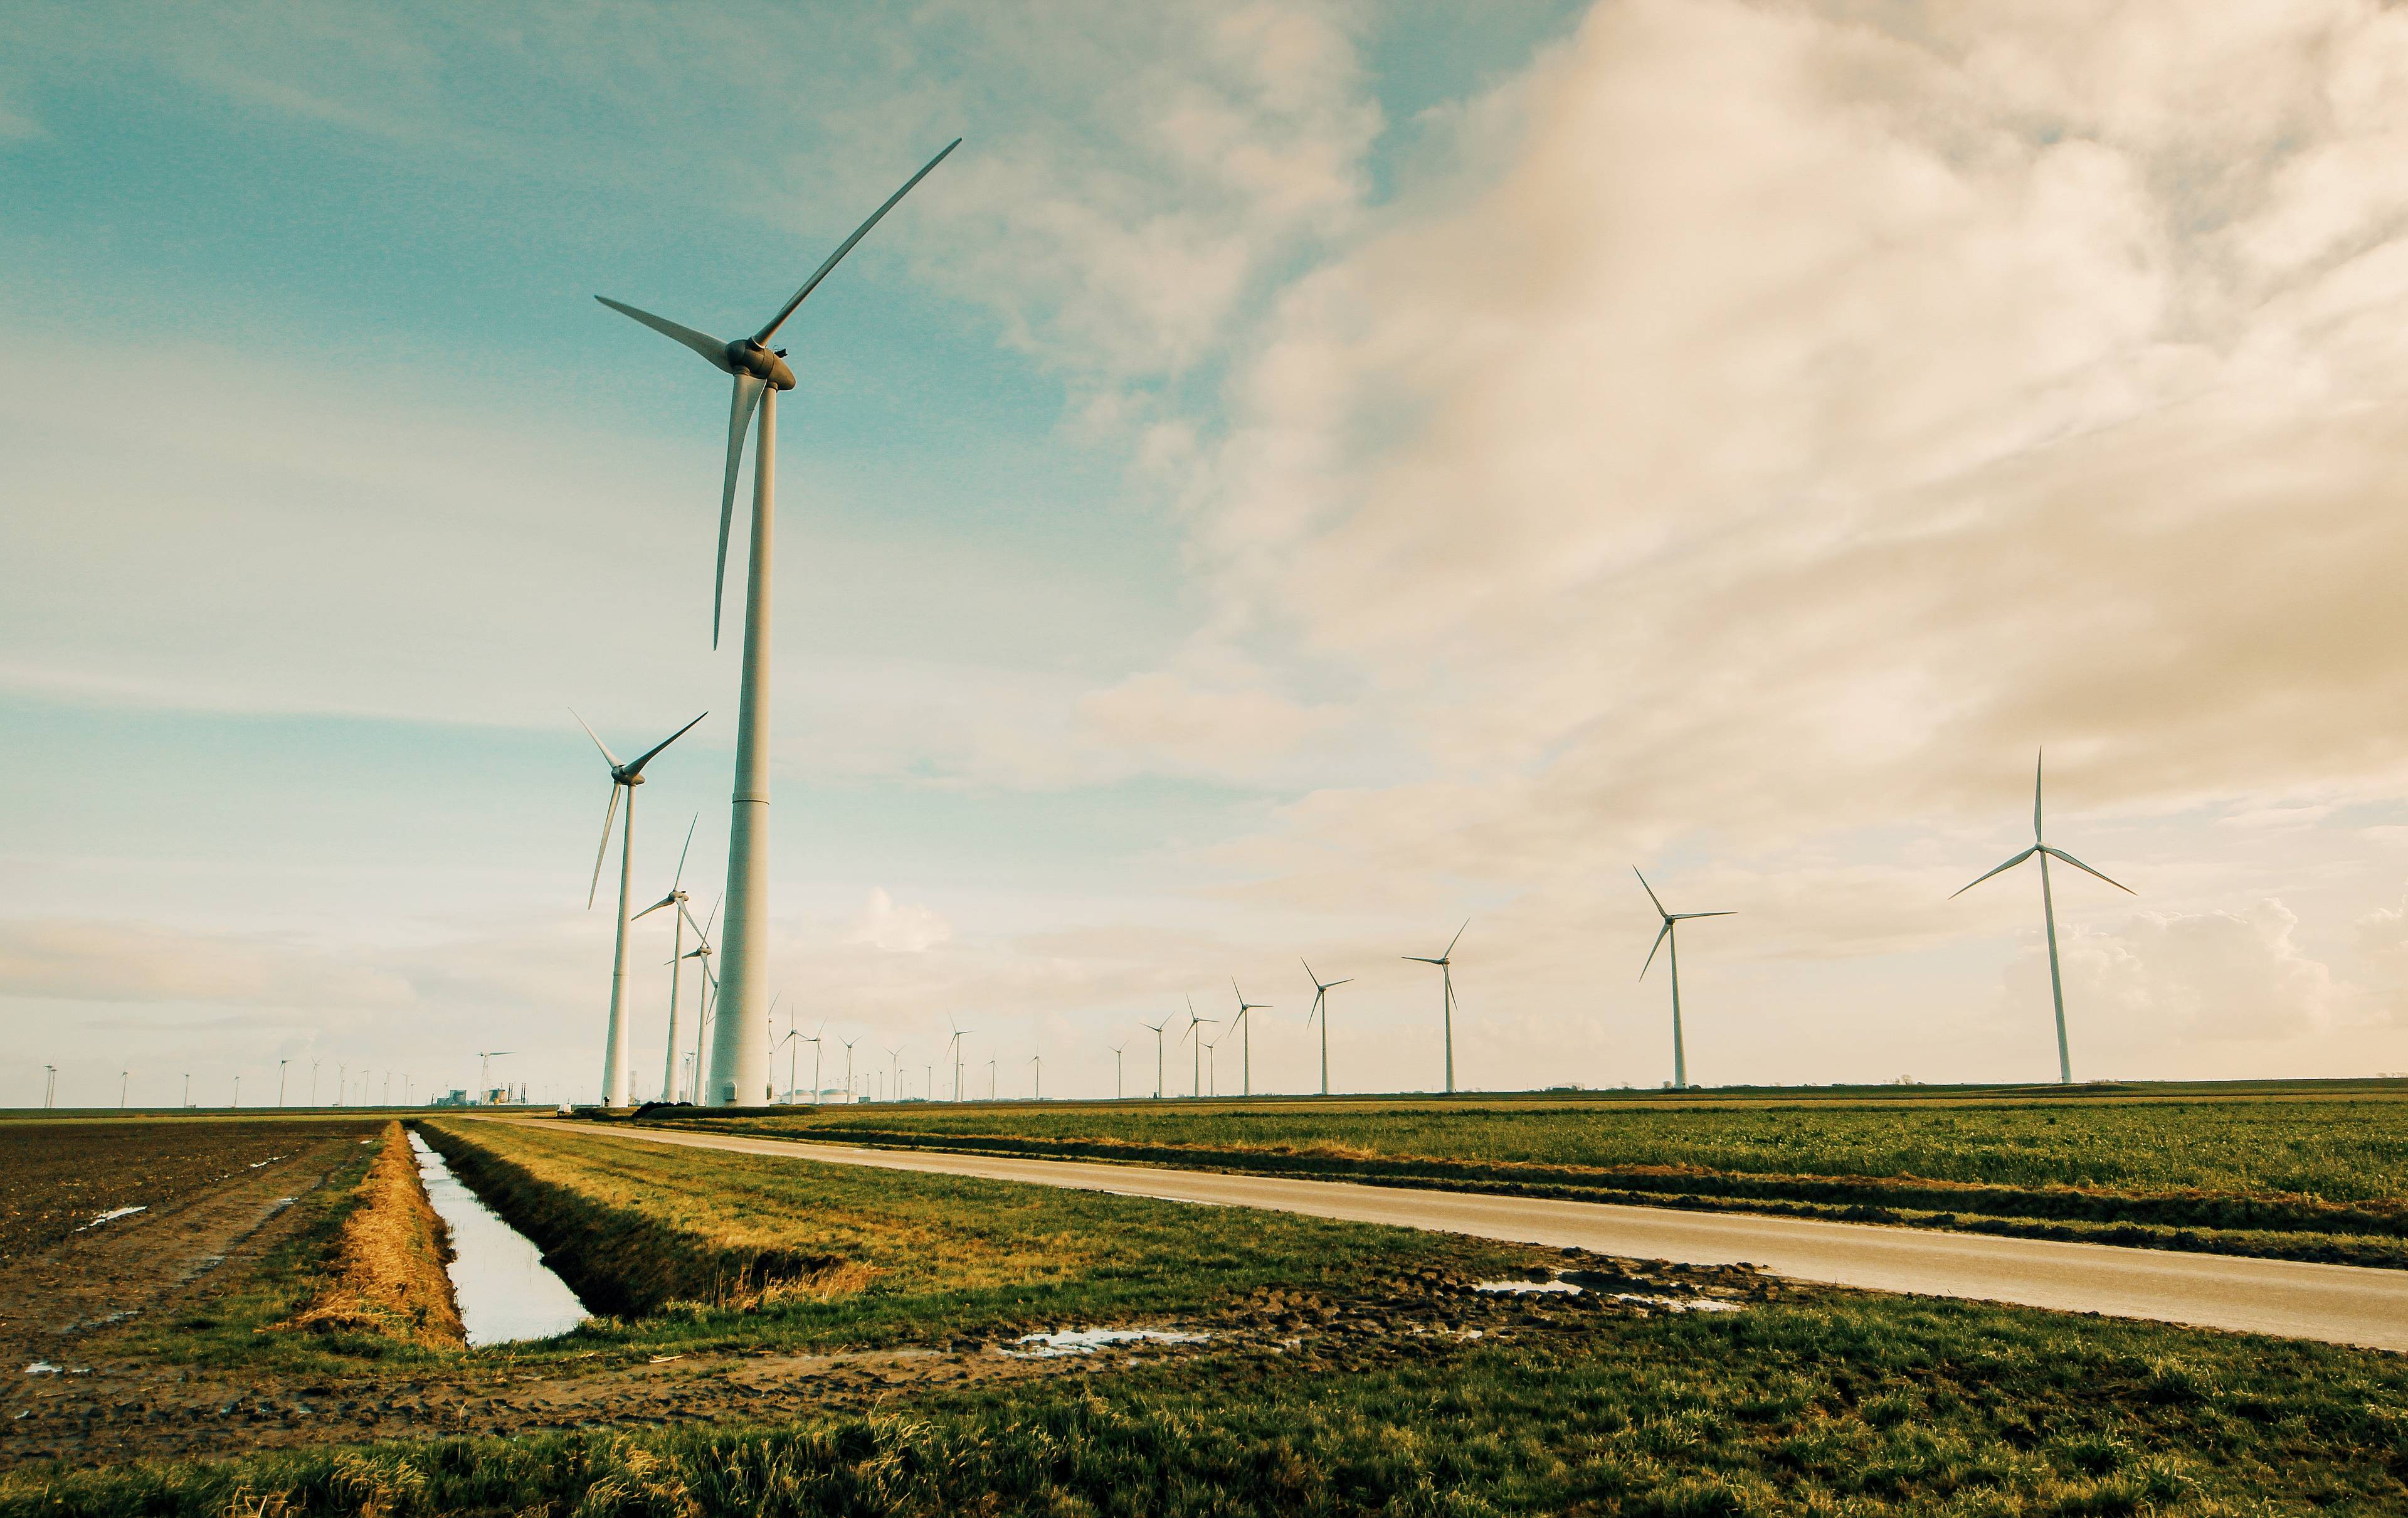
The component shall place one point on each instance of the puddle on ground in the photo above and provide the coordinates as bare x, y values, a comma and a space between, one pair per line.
505, 1290
42, 1367
1523, 1288
112, 1215
1560, 1287
1088, 1340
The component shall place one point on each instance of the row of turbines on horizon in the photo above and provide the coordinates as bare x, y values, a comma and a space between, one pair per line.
679, 1067
367, 1087
733, 1041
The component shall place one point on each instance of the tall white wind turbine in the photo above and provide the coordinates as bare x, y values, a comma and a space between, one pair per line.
959, 1033
625, 777
1321, 990
1246, 1040
739, 1061
1195, 1023
1156, 1029
2048, 914
1445, 964
676, 898
1679, 1055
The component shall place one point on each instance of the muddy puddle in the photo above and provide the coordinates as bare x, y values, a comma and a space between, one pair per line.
505, 1290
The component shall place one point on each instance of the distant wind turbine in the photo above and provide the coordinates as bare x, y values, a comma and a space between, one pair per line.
896, 1054
677, 920
1679, 1057
737, 1062
1321, 990
1445, 964
625, 777
2048, 914
1246, 1041
1194, 1023
1117, 1082
959, 1033
1156, 1029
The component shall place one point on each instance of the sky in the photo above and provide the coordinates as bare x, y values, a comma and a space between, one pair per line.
1300, 478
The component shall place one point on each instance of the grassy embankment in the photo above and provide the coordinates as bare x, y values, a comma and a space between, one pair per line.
383, 1273
683, 1248
2293, 1175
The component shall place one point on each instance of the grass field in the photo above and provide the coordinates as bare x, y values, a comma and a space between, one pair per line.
1824, 1407
1347, 1369
2298, 1173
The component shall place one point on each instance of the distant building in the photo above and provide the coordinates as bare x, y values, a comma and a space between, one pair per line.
452, 1098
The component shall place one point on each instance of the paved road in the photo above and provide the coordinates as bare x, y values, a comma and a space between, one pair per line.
2337, 1304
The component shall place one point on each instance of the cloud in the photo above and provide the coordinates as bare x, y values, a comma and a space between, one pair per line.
2383, 938
85, 960
898, 928
2217, 975
1797, 421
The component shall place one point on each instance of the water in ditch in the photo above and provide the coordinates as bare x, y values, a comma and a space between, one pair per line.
505, 1290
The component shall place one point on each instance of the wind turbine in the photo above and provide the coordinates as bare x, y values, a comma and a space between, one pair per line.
954, 1047
625, 777
896, 1054
1194, 1023
676, 898
1321, 990
701, 950
1246, 1039
1156, 1029
1037, 1079
2048, 914
737, 1062
1679, 1057
848, 1044
1445, 964
1117, 1082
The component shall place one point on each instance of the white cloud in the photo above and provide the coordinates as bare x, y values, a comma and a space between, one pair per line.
897, 928
2240, 977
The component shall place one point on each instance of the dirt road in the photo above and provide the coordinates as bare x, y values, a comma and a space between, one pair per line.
2335, 1304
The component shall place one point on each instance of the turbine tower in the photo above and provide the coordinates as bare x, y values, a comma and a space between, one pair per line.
676, 898
1445, 964
1680, 1056
625, 777
1194, 1023
1321, 990
739, 1063
1246, 1040
956, 1050
1118, 1083
2048, 914
1156, 1029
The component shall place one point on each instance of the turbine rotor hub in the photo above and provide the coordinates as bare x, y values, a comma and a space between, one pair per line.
749, 355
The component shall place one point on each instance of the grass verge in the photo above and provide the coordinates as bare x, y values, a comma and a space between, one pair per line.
384, 1274
1840, 1405
2279, 1176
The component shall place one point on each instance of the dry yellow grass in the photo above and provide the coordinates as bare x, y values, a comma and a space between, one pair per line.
385, 1273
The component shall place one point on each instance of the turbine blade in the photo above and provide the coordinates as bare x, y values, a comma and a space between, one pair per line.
1661, 933
646, 757
862, 231
2002, 869
1456, 939
1348, 981
604, 851
2038, 760
666, 901
2058, 853
678, 879
714, 914
1651, 893
746, 395
1683, 917
701, 342
691, 923
1419, 959
598, 739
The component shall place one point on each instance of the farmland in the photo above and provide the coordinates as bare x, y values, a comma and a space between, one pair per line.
2300, 1174
777, 1337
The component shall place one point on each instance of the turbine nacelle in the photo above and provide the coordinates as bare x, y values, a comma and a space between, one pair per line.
749, 355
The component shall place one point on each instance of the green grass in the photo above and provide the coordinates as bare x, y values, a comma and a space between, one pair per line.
2303, 1174
1829, 1406
904, 1258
